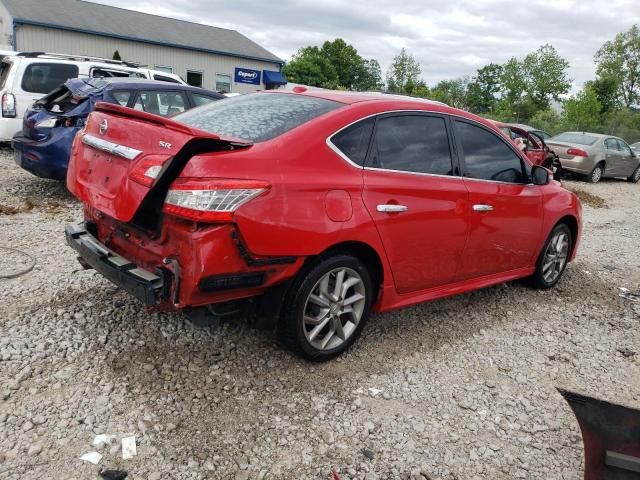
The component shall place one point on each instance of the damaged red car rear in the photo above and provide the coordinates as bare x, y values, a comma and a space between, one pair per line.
320, 205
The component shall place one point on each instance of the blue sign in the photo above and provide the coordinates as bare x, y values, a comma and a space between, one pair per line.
246, 75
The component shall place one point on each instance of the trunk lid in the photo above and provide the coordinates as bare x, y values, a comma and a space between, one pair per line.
560, 148
117, 147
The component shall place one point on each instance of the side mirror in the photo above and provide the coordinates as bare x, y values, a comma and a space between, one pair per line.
540, 175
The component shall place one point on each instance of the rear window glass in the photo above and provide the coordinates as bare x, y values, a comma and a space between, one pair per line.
4, 73
44, 77
122, 97
578, 138
257, 117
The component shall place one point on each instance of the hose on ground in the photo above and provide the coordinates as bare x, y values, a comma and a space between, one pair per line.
25, 270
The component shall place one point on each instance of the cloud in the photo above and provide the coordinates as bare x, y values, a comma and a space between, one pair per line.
449, 39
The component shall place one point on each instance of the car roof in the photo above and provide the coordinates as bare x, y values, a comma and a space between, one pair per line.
385, 101
597, 135
349, 97
111, 83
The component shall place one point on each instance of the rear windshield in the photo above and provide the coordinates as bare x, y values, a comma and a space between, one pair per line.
44, 77
257, 117
4, 73
579, 138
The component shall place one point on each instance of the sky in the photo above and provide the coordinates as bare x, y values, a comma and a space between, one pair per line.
449, 39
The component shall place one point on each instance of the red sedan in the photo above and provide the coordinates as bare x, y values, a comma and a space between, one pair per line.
318, 206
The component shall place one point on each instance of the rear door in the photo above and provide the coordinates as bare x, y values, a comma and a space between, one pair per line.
504, 212
417, 199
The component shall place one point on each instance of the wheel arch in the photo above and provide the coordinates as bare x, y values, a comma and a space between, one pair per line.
365, 253
572, 222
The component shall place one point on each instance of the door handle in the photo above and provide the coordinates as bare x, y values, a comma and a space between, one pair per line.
482, 208
392, 208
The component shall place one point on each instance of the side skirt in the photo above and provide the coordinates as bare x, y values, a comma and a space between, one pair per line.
391, 300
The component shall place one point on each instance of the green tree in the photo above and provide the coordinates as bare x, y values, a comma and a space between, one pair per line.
371, 78
528, 85
483, 89
116, 56
334, 65
548, 120
451, 92
404, 72
582, 111
620, 59
310, 67
606, 89
546, 75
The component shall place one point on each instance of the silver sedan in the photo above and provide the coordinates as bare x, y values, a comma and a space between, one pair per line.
596, 156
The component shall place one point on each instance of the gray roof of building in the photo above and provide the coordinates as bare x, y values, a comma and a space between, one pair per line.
88, 17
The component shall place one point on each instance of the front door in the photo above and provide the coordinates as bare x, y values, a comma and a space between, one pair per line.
628, 161
505, 212
417, 200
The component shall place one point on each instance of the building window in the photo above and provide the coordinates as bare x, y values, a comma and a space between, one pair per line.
223, 83
165, 69
194, 78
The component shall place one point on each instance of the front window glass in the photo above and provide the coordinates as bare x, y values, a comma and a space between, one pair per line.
486, 156
579, 138
44, 77
412, 143
257, 117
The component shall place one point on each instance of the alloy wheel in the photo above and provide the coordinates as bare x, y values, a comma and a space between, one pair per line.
555, 258
334, 308
636, 175
596, 175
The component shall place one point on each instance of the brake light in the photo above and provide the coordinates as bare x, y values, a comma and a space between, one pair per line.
146, 172
210, 199
577, 152
8, 105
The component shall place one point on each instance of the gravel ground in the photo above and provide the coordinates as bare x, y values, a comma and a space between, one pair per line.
461, 388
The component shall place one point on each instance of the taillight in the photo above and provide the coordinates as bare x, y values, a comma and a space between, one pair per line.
210, 199
576, 152
147, 170
8, 105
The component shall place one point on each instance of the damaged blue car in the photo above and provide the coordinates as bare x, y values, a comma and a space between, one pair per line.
50, 125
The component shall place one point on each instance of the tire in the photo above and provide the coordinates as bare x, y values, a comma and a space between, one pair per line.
596, 174
635, 176
551, 262
315, 323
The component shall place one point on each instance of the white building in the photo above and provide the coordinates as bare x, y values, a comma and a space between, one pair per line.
206, 56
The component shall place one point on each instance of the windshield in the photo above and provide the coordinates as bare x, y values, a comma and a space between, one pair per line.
257, 117
579, 138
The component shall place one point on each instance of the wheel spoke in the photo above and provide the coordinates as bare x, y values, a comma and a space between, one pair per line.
349, 282
337, 289
314, 333
308, 319
324, 285
321, 302
340, 330
353, 299
547, 265
327, 337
